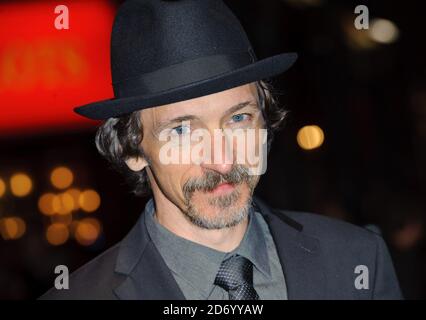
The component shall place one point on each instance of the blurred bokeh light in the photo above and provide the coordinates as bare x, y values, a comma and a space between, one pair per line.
383, 31
2, 187
89, 200
57, 233
310, 137
46, 204
12, 228
61, 177
20, 184
87, 231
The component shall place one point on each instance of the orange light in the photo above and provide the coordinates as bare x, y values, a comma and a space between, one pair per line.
50, 204
89, 200
2, 187
12, 228
20, 184
45, 204
87, 231
61, 177
66, 203
57, 234
310, 137
75, 194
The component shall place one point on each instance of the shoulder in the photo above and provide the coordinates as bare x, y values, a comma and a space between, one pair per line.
342, 245
331, 230
346, 250
94, 280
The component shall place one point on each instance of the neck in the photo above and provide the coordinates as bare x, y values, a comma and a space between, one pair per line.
173, 219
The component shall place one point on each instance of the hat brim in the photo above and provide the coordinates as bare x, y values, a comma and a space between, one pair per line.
259, 70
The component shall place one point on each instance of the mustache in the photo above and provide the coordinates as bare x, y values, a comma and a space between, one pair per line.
211, 179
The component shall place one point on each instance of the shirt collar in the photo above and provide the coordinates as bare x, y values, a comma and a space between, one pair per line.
253, 245
180, 253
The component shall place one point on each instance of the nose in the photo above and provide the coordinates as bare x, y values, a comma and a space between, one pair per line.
221, 157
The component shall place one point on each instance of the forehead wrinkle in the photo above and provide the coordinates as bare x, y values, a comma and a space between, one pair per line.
193, 107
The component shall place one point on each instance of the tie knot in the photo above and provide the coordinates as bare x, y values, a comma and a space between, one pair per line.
235, 272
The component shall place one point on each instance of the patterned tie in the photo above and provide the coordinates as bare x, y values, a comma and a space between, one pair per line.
236, 276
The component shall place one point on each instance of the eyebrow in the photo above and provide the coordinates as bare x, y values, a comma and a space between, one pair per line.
239, 107
167, 123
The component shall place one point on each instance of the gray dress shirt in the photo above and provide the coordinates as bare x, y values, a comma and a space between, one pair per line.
195, 266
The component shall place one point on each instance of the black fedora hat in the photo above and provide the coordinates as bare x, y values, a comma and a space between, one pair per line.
169, 51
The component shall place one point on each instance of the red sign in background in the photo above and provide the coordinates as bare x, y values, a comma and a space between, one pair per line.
45, 72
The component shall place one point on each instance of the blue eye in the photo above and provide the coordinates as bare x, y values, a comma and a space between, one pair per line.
240, 117
181, 130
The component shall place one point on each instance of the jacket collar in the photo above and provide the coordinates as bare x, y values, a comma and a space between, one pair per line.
299, 254
147, 277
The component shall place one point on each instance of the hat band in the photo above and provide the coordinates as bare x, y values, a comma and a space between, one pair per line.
182, 74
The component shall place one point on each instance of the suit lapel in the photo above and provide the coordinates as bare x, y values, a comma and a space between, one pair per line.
299, 254
147, 277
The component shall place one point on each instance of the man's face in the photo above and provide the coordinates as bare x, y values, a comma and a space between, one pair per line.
212, 189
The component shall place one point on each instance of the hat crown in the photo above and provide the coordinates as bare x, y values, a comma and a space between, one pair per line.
168, 51
149, 35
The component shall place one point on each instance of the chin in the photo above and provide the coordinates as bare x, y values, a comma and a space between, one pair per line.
222, 209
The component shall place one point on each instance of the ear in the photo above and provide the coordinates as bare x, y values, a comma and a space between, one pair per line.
136, 163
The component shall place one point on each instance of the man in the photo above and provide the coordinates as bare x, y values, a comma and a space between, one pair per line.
183, 69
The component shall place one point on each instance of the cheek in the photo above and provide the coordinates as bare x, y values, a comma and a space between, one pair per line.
171, 178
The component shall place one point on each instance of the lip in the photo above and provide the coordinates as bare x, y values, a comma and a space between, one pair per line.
223, 188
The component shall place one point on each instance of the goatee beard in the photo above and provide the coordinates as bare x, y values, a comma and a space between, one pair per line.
227, 215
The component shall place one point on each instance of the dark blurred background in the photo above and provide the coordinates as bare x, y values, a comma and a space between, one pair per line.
353, 146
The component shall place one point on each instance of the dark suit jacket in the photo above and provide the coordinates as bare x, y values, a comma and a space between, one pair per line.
318, 256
